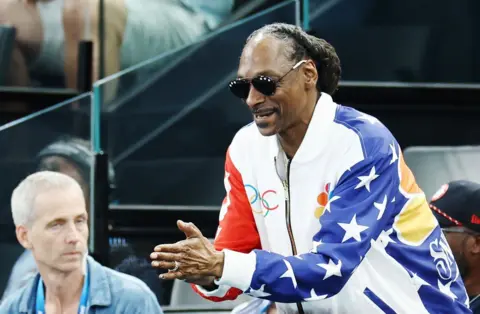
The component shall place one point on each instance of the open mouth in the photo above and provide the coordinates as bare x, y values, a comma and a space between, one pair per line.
264, 113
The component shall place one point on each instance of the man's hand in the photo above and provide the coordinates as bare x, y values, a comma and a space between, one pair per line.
196, 258
201, 281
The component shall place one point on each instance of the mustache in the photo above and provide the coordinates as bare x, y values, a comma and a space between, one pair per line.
260, 110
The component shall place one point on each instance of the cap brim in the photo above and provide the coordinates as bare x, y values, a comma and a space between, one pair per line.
444, 222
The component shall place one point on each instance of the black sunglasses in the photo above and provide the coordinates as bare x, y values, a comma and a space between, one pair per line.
264, 84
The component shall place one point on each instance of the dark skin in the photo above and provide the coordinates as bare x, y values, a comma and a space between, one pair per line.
294, 100
293, 104
199, 261
466, 250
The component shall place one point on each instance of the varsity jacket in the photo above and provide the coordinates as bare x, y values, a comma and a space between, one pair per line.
340, 228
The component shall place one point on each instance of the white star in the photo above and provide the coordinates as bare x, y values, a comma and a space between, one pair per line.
352, 229
384, 237
289, 274
446, 289
315, 297
381, 207
226, 204
365, 180
419, 282
218, 232
394, 153
393, 200
368, 118
333, 199
466, 293
315, 246
260, 293
299, 257
332, 269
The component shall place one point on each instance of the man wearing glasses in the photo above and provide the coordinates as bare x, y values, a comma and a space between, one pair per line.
321, 213
457, 208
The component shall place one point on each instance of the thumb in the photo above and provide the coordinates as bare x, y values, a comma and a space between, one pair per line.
190, 230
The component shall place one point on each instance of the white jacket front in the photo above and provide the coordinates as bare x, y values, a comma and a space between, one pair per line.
341, 228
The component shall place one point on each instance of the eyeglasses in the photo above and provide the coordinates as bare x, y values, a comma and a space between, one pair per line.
264, 84
460, 229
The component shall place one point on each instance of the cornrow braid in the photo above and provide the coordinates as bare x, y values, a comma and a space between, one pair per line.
303, 46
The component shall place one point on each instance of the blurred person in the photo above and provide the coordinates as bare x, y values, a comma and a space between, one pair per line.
49, 31
457, 208
72, 156
51, 220
321, 213
141, 269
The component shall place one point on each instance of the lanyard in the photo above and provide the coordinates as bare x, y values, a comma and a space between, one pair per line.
40, 301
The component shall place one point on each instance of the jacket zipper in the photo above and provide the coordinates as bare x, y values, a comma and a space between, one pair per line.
286, 186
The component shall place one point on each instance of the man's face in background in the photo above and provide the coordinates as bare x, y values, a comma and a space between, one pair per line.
465, 245
456, 241
69, 168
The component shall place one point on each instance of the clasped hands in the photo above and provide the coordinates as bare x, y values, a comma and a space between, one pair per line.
194, 260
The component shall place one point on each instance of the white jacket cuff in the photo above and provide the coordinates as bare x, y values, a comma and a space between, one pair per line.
238, 269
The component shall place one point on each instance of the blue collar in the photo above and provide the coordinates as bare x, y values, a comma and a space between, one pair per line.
40, 300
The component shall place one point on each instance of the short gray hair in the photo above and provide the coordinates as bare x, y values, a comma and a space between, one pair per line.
25, 194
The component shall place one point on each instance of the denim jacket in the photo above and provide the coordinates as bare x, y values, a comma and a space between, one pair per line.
110, 292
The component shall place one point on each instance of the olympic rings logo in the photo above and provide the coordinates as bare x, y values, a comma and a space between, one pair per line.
266, 199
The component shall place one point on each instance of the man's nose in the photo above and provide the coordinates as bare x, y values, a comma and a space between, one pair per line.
254, 97
73, 235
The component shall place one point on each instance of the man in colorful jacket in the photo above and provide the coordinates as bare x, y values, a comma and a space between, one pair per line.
321, 215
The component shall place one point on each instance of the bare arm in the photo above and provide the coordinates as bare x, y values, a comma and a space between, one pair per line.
75, 23
25, 19
18, 72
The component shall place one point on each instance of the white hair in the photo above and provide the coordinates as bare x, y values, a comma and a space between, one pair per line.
25, 194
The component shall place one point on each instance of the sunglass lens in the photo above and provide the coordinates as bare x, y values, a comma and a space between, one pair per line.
264, 85
240, 88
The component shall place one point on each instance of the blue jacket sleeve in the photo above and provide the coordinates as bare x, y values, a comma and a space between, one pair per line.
357, 212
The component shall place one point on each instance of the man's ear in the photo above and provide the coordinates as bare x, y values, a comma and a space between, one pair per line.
476, 245
311, 75
22, 237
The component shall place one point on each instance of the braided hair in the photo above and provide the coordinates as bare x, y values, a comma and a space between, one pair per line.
301, 46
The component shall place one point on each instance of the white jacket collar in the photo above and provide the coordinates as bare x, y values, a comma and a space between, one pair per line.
317, 136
